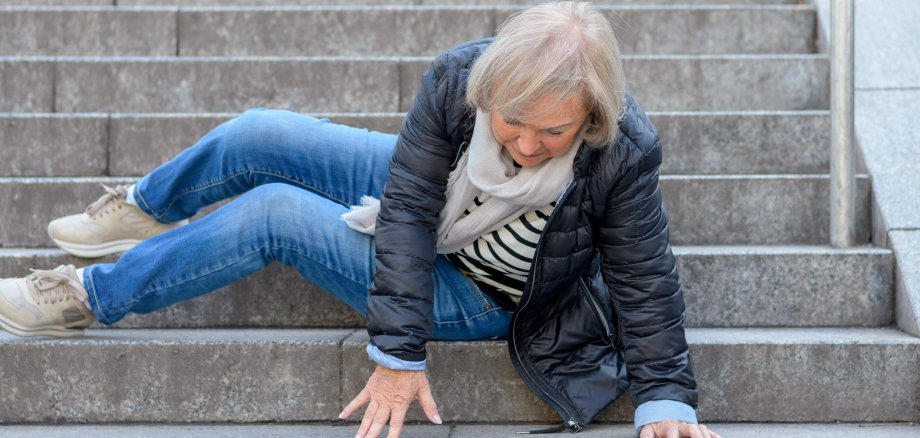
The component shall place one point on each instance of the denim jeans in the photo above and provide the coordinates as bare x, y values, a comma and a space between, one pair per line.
295, 176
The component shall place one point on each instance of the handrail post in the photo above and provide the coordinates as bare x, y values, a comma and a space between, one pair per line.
843, 178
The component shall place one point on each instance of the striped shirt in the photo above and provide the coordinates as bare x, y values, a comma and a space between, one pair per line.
501, 259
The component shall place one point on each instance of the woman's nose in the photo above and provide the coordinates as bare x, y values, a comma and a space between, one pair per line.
528, 143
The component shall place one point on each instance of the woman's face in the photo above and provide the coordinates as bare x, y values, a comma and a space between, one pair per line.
531, 140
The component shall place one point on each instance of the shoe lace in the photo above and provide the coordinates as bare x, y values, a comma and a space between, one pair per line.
51, 286
111, 195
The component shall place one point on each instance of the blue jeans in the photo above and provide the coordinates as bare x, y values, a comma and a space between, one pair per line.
295, 176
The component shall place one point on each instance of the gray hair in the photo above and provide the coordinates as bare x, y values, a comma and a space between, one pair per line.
559, 49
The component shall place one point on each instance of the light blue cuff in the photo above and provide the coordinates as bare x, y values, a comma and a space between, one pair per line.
393, 362
658, 410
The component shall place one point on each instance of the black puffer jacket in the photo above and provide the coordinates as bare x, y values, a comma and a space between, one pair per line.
570, 338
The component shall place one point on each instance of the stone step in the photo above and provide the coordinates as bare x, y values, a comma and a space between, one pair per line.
133, 144
377, 84
130, 3
744, 375
379, 30
724, 286
703, 210
460, 430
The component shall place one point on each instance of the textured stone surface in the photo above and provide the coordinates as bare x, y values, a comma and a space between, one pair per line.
755, 209
53, 145
743, 375
906, 245
886, 35
806, 374
745, 142
723, 287
747, 430
392, 2
214, 430
30, 203
26, 85
889, 136
139, 143
692, 142
276, 296
172, 375
597, 430
413, 31
741, 142
56, 2
470, 381
334, 32
703, 83
655, 29
224, 85
88, 32
786, 286
703, 210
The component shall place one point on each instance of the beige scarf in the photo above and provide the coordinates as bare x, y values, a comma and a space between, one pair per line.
485, 168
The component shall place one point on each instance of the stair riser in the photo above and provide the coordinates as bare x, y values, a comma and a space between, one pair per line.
375, 85
721, 290
172, 381
304, 377
726, 211
356, 32
135, 144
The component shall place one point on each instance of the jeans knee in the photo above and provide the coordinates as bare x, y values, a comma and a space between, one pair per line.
276, 209
258, 131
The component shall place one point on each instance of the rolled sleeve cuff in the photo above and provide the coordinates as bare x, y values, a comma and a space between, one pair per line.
659, 410
393, 362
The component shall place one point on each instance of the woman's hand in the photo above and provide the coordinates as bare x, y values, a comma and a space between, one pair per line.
676, 429
390, 392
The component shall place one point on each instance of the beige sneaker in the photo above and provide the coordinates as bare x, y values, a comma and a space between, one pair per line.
108, 225
46, 303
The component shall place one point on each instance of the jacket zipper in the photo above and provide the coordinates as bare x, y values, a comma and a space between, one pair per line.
597, 310
570, 422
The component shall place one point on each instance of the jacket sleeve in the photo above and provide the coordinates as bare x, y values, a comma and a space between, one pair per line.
399, 305
641, 274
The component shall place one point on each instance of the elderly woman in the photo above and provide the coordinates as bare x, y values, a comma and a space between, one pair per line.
520, 200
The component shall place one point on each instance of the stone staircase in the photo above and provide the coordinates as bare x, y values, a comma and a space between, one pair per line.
782, 327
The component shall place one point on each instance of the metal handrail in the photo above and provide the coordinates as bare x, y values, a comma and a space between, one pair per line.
843, 178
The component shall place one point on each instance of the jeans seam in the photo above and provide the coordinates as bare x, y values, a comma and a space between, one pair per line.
468, 320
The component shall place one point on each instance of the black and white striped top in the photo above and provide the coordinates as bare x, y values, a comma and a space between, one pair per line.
501, 259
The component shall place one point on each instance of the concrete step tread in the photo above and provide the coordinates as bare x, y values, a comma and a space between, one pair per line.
715, 250
704, 142
703, 210
384, 84
459, 430
301, 375
312, 336
724, 286
131, 179
185, 115
389, 7
308, 58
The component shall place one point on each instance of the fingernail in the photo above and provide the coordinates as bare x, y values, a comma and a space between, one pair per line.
341, 416
437, 419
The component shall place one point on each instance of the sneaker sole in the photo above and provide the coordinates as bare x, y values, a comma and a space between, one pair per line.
95, 251
44, 331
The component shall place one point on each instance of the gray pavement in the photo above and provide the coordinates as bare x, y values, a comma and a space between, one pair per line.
887, 107
732, 430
